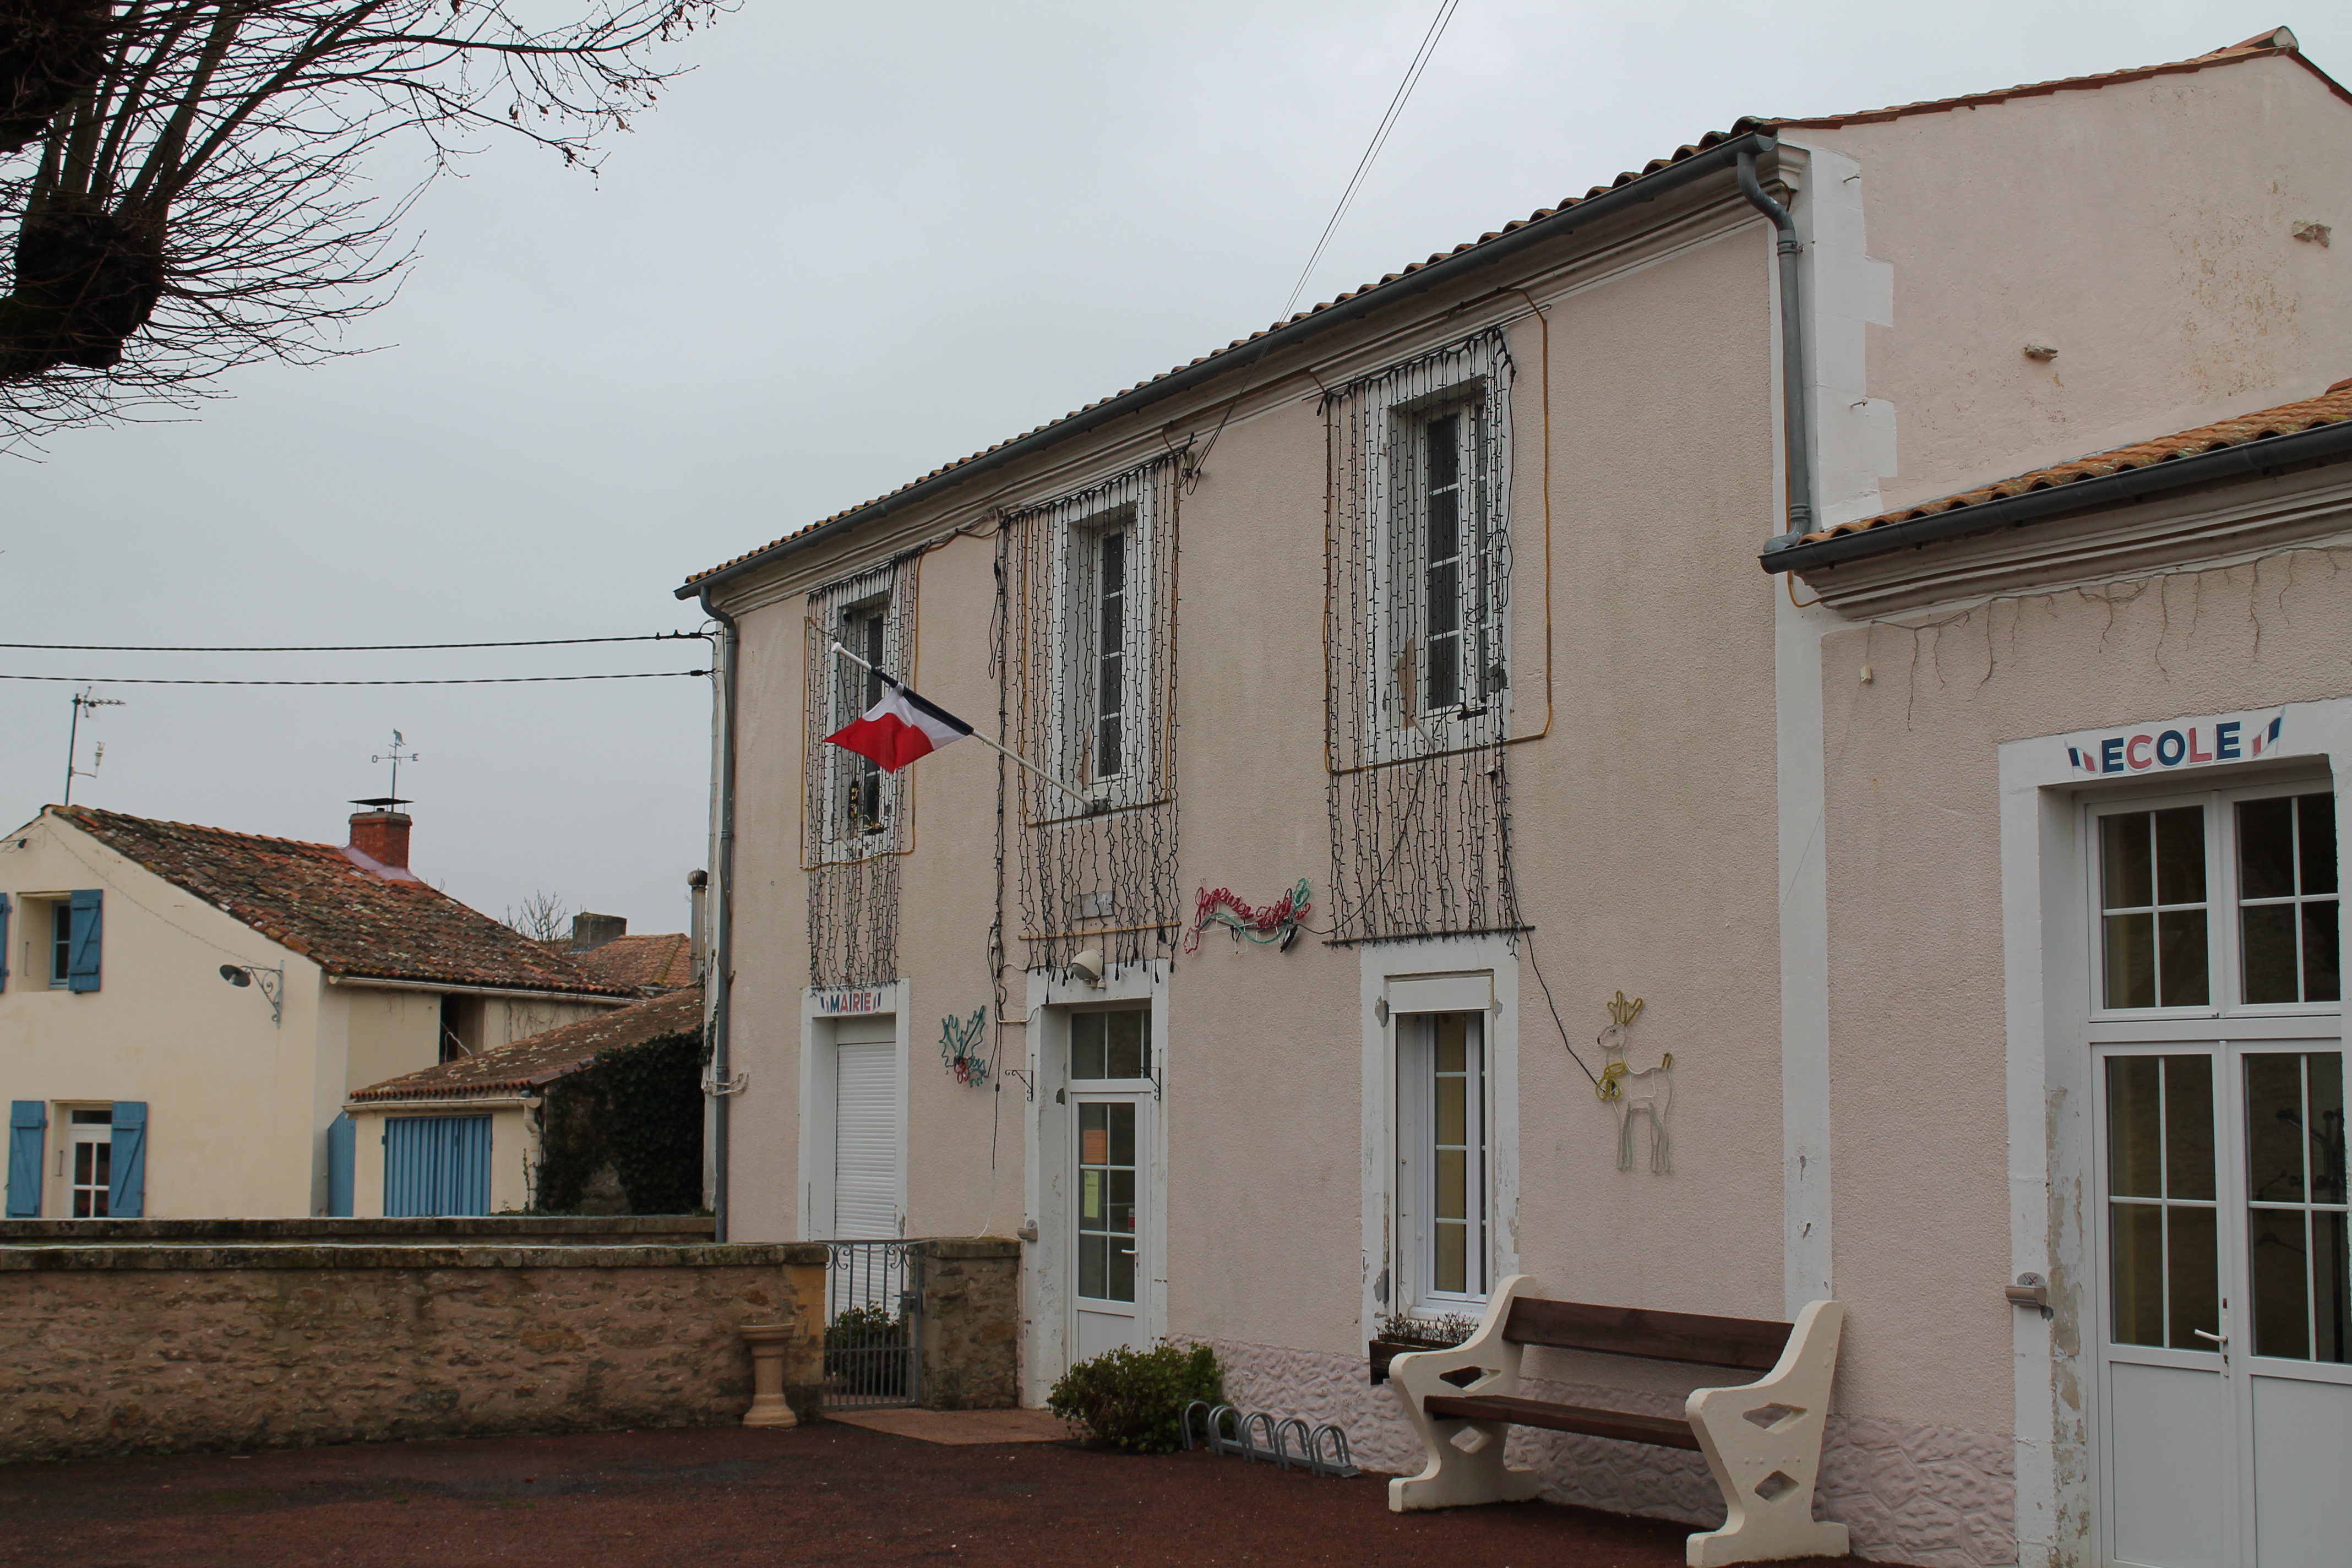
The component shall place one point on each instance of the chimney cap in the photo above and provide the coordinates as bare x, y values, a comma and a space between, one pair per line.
383, 802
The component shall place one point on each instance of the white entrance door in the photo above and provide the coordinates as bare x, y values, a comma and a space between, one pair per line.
2228, 1353
866, 1154
2226, 1270
1110, 1101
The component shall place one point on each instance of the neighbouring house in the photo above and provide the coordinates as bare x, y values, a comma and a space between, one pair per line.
183, 1009
604, 1115
648, 965
1639, 753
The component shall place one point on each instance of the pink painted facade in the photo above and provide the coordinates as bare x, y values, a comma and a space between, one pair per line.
1781, 809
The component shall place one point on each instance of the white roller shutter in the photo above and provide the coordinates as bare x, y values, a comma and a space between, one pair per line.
866, 1142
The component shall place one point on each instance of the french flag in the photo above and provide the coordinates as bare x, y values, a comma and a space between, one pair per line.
900, 728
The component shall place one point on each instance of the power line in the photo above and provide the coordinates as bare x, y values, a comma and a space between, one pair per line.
1421, 58
347, 648
472, 680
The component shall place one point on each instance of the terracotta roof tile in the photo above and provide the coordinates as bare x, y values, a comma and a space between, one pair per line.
2276, 41
639, 963
2330, 407
539, 1059
312, 899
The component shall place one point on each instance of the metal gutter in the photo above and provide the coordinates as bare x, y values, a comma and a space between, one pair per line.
720, 982
2323, 444
369, 983
1795, 426
1722, 157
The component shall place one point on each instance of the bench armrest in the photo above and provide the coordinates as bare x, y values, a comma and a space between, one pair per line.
1417, 1375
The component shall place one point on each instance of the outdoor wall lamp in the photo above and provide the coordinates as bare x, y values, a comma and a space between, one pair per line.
273, 984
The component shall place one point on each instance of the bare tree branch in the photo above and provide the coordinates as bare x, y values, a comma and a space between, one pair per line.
183, 178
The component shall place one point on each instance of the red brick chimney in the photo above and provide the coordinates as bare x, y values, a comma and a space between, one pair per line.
382, 836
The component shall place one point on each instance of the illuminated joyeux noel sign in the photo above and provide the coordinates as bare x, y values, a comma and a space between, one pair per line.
2181, 743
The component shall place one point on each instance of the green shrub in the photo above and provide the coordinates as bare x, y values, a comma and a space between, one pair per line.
1135, 1399
866, 1353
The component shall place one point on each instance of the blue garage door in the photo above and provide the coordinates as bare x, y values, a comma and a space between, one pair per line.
436, 1165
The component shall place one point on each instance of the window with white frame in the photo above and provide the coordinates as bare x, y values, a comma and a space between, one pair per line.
1443, 609
1444, 1178
860, 805
2222, 901
87, 1158
1104, 672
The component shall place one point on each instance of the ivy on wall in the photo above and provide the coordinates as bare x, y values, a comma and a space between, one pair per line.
624, 1135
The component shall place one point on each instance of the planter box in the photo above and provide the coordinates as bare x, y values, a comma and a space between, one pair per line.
1381, 1351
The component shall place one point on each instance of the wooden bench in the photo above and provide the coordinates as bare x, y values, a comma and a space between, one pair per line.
1762, 1440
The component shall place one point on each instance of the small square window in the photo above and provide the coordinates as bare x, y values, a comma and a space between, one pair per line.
1115, 1044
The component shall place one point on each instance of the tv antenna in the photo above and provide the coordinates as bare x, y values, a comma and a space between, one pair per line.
395, 757
82, 699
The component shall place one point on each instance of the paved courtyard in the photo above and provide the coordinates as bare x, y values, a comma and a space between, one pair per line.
826, 1493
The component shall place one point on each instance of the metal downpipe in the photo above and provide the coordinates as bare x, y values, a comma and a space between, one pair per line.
1799, 447
722, 978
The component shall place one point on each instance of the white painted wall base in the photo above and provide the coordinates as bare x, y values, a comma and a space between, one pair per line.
1937, 1496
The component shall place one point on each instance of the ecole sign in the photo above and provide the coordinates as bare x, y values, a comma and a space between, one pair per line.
852, 1001
2181, 743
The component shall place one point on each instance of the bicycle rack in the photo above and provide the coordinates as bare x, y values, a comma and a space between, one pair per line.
1321, 1451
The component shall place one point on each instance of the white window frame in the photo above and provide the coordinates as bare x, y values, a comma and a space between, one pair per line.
842, 688
1396, 981
72, 1134
1073, 721
2224, 961
1395, 419
1416, 1248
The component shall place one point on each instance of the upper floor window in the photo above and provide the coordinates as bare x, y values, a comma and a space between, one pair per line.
860, 805
1100, 715
850, 804
2228, 900
1444, 613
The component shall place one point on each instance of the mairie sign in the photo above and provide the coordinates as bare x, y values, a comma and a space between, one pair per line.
2179, 743
853, 1000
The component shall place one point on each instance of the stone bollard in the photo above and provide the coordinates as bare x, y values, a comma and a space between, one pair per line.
768, 1343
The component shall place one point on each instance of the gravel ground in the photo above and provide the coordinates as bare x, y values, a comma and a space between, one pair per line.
713, 1497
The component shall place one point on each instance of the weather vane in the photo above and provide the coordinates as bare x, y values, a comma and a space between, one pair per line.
395, 757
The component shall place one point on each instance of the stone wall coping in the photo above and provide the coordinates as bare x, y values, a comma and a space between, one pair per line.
381, 1256
963, 1247
85, 1232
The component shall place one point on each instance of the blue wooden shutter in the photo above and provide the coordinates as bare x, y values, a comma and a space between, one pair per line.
82, 946
342, 1160
470, 1188
407, 1166
28, 1120
3, 942
126, 1196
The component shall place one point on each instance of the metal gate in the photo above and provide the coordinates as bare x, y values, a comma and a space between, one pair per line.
873, 1309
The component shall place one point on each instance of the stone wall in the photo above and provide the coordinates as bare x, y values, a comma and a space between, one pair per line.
109, 1350
969, 1341
535, 1230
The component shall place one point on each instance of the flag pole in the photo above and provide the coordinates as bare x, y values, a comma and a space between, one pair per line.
976, 736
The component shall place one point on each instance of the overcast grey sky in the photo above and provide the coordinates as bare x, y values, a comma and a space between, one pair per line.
859, 242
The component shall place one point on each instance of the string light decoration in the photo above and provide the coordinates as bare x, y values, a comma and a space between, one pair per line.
1417, 572
1087, 585
1279, 922
855, 833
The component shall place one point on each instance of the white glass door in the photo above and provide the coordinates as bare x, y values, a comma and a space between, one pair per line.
1110, 1146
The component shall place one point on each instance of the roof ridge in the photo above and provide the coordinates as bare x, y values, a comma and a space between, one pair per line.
2253, 49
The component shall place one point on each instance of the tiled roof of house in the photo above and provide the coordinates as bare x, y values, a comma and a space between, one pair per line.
538, 1061
2276, 41
314, 899
2330, 407
640, 963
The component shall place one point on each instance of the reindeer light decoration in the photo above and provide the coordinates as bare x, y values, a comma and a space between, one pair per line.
1630, 1094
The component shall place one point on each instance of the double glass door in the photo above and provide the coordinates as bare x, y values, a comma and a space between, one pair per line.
2229, 1342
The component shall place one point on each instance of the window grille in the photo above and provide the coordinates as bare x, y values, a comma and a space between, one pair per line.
855, 820
1089, 666
1416, 648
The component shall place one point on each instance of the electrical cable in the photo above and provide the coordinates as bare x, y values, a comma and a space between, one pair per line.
348, 648
467, 681
1421, 58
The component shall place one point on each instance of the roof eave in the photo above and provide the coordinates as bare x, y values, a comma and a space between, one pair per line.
1649, 187
2129, 487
